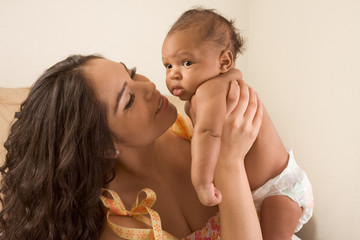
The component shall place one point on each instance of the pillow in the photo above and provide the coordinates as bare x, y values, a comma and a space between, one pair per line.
10, 100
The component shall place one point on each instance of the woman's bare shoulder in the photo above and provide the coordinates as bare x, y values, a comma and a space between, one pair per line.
175, 149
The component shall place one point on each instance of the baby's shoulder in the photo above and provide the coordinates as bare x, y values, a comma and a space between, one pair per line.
216, 83
213, 88
211, 93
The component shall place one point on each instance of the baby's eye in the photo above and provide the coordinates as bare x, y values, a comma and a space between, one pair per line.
168, 66
187, 63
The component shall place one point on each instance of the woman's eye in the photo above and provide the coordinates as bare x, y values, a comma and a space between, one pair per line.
187, 63
130, 102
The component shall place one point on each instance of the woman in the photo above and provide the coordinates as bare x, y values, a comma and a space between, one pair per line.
91, 123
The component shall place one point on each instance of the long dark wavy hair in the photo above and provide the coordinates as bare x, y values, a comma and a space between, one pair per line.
57, 159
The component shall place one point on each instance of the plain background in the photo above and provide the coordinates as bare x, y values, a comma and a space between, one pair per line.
303, 57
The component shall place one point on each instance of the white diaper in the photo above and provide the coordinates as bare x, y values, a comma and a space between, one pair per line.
292, 182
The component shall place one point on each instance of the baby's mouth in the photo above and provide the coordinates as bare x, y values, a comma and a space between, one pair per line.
177, 91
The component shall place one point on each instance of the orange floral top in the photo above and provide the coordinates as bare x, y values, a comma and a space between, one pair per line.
141, 210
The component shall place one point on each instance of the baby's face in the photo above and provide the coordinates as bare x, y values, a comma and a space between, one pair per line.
189, 62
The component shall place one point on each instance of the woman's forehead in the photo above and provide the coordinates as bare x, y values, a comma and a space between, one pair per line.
106, 77
102, 70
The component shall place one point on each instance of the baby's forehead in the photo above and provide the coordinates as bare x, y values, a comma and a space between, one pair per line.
190, 37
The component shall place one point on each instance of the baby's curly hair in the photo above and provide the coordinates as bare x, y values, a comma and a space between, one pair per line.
212, 27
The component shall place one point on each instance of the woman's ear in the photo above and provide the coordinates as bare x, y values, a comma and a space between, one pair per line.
226, 61
109, 153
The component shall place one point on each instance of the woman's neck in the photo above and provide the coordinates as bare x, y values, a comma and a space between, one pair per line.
138, 160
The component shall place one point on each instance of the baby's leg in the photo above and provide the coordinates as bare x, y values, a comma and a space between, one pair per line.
279, 217
266, 159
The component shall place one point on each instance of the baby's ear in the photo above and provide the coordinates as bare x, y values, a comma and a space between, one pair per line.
226, 61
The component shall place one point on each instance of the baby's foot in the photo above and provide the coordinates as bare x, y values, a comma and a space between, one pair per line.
209, 195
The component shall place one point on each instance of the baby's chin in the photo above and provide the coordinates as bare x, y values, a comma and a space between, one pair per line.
186, 96
183, 98
182, 95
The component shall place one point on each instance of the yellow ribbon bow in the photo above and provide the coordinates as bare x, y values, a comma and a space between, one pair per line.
181, 128
138, 210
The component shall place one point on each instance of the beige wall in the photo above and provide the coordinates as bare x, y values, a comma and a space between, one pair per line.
35, 34
302, 57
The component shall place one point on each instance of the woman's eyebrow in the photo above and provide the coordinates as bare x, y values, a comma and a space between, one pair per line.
131, 71
125, 66
119, 95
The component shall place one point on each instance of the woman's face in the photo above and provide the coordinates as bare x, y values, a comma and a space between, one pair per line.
137, 113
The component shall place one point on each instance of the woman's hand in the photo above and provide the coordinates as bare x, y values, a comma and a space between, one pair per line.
237, 211
243, 120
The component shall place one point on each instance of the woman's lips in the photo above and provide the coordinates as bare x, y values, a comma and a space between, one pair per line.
177, 91
163, 103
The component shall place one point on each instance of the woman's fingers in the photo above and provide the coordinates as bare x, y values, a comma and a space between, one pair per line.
258, 115
252, 105
242, 102
254, 111
232, 96
244, 96
242, 125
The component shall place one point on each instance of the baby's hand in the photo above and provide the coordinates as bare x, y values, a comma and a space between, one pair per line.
243, 121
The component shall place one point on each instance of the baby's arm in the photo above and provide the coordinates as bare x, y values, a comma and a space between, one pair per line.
208, 119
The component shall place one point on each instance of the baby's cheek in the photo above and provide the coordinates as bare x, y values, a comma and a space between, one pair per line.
167, 81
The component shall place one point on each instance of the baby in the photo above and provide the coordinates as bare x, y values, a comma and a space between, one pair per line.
199, 46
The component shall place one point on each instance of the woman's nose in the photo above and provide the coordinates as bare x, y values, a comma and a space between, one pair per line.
149, 90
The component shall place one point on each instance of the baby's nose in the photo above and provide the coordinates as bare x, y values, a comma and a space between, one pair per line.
175, 74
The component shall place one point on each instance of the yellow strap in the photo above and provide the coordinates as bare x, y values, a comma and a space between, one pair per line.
138, 210
181, 128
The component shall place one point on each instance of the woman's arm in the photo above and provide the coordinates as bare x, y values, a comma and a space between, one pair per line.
237, 211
